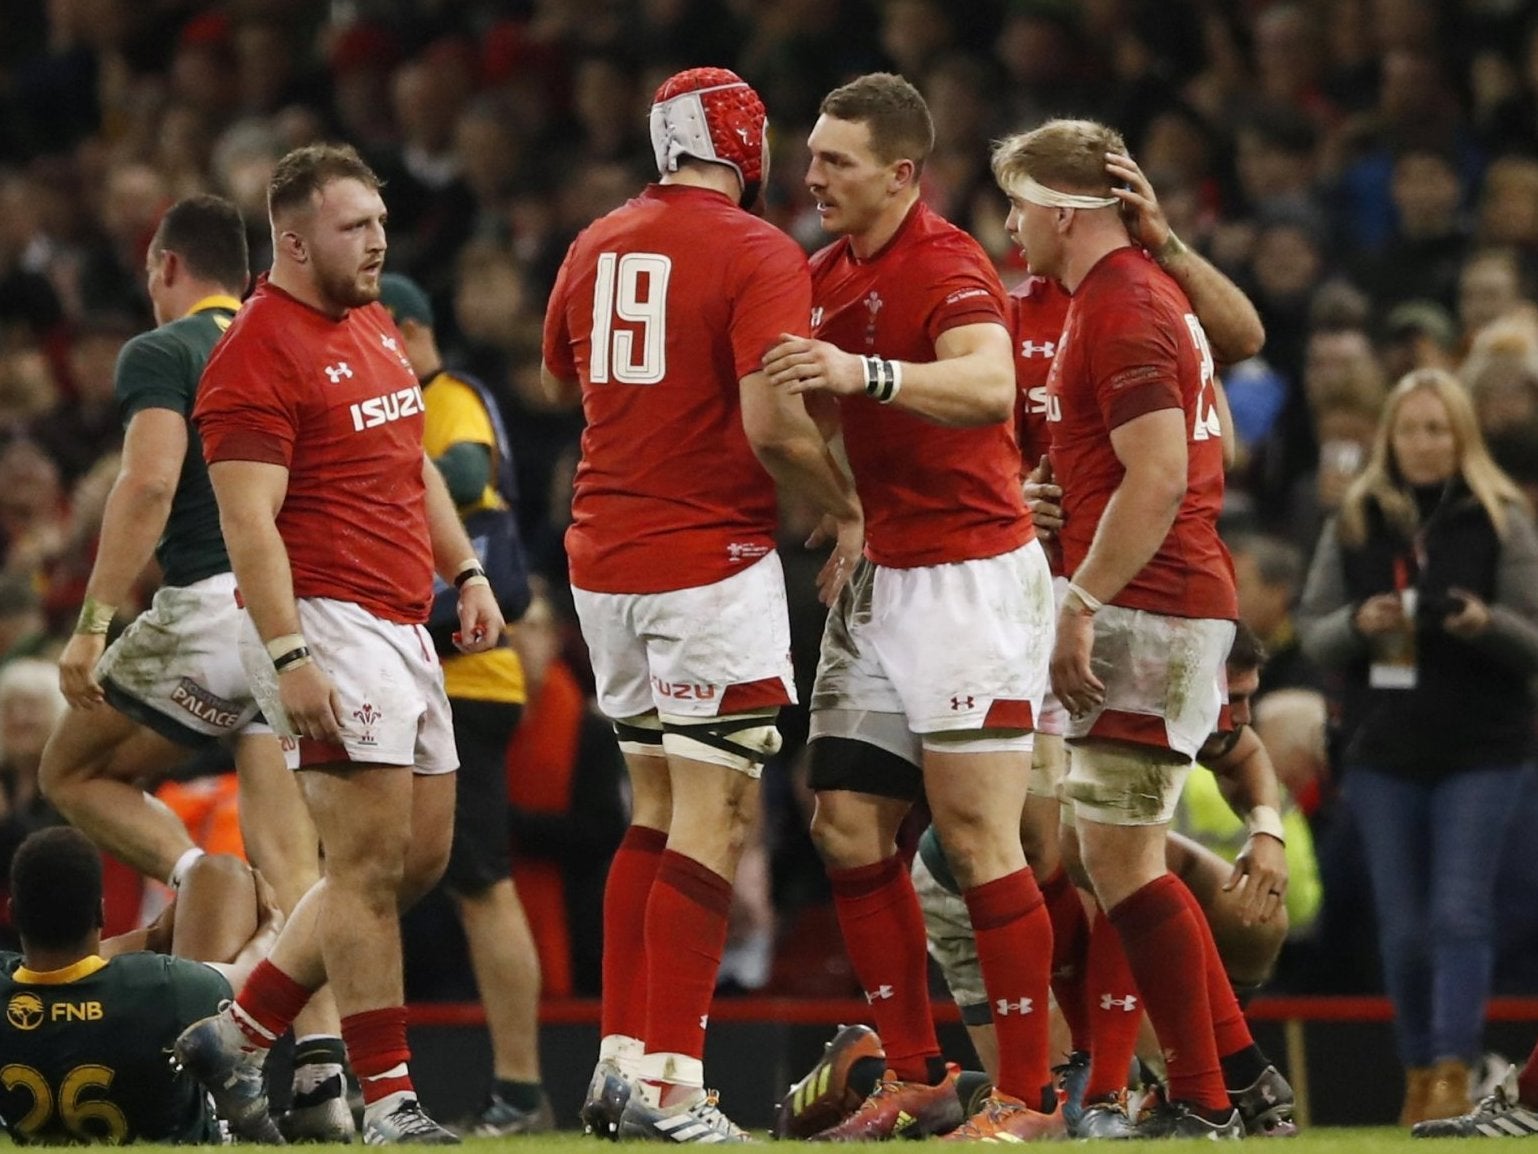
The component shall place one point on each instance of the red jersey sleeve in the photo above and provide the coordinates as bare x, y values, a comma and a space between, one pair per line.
246, 408
556, 343
774, 296
965, 292
1134, 362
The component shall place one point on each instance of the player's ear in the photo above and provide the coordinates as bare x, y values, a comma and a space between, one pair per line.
904, 175
292, 245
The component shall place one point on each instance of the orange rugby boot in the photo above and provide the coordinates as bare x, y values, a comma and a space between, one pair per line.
897, 1109
1005, 1118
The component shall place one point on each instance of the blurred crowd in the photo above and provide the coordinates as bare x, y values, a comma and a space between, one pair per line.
1367, 170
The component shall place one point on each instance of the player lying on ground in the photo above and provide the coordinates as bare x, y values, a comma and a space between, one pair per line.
88, 1023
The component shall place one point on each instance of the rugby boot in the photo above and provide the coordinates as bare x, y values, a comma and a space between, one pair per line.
973, 1088
1105, 1119
898, 1109
319, 1110
696, 1119
322, 1115
1266, 1106
217, 1054
406, 1125
1005, 1118
1072, 1080
607, 1094
850, 1066
1499, 1115
1179, 1120
499, 1118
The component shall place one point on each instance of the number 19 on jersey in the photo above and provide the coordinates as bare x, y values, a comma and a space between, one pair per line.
633, 288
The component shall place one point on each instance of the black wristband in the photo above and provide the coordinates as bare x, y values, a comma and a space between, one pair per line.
466, 573
291, 658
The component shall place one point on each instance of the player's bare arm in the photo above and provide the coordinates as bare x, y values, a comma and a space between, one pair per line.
480, 618
250, 493
132, 522
1234, 328
970, 382
1152, 451
790, 446
558, 391
1248, 783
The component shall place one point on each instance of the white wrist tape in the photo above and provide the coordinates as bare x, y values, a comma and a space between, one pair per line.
1264, 819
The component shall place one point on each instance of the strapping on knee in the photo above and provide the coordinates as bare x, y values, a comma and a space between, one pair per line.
739, 741
640, 735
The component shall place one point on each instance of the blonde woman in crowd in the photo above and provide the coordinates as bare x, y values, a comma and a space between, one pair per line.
1423, 598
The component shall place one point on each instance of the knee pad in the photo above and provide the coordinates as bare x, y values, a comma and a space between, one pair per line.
739, 741
640, 735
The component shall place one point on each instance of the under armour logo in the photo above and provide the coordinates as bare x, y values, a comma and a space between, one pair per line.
743, 132
1005, 1006
337, 371
960, 703
817, 317
389, 343
874, 303
1127, 1004
880, 992
1032, 349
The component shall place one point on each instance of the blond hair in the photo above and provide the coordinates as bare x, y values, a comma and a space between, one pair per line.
1068, 155
1381, 483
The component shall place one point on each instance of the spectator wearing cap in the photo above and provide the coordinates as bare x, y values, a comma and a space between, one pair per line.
1418, 334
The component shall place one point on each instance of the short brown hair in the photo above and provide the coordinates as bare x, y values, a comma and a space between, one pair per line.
893, 111
305, 171
1064, 154
209, 235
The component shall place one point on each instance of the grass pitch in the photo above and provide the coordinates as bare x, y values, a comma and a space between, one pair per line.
1357, 1140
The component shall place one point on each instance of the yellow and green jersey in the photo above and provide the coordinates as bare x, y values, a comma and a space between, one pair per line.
457, 415
85, 1051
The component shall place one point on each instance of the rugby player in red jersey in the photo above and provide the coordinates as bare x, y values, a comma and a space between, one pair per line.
659, 318
1141, 637
934, 660
335, 520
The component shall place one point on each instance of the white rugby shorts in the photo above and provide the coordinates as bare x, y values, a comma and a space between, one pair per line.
705, 651
955, 647
177, 668
1165, 679
389, 681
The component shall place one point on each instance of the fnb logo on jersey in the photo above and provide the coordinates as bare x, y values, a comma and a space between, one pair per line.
75, 1012
24, 1011
389, 407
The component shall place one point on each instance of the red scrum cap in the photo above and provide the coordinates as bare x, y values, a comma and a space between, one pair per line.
711, 114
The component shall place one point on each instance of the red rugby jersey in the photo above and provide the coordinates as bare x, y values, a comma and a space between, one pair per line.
932, 494
335, 402
659, 310
1132, 345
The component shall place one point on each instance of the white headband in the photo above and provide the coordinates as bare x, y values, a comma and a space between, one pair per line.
1027, 188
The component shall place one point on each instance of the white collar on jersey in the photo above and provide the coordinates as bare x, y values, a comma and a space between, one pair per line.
1027, 188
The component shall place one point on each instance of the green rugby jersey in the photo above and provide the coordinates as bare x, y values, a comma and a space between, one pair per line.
160, 369
85, 1051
